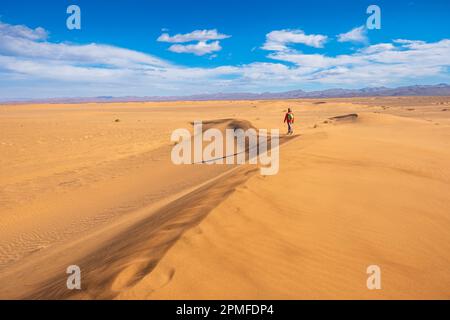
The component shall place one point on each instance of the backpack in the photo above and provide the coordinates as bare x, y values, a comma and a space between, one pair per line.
290, 116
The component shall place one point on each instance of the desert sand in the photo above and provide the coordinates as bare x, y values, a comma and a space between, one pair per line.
93, 185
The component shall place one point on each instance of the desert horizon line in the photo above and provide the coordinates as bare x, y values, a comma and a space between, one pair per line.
439, 89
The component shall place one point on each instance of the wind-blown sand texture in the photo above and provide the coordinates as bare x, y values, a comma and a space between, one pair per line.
93, 185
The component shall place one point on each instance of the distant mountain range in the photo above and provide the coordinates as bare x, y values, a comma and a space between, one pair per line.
416, 90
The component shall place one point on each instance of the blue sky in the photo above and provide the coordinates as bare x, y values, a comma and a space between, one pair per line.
138, 47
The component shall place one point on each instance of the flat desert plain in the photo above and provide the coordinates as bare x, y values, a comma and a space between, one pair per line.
93, 185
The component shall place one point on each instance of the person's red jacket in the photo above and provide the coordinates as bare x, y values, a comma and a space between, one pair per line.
286, 118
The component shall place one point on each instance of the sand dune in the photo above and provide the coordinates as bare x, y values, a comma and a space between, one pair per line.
346, 198
77, 187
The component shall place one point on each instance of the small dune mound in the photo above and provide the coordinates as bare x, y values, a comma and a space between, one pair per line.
230, 123
251, 134
345, 118
223, 124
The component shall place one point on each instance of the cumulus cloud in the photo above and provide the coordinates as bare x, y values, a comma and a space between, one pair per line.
200, 48
356, 35
377, 64
279, 40
20, 31
206, 41
197, 35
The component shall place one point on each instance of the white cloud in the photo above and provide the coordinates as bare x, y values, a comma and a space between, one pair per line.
200, 48
20, 31
279, 40
197, 35
203, 38
26, 43
376, 64
378, 48
356, 35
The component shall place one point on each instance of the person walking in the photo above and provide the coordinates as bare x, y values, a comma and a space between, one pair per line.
289, 119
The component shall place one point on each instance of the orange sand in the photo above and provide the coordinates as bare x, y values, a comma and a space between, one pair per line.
76, 187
